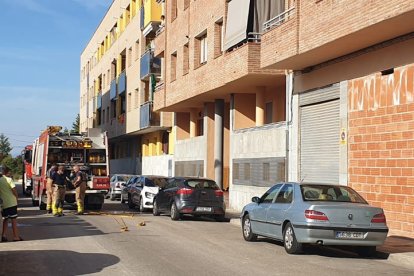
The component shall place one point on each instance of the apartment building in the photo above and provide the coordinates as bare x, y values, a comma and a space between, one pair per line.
229, 113
118, 74
352, 97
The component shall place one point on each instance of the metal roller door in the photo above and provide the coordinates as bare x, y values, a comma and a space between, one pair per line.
319, 136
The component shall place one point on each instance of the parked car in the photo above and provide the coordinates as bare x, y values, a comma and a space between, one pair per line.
117, 182
193, 196
142, 191
125, 188
298, 214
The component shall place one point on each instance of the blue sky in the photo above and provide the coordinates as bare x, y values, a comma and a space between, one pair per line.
40, 46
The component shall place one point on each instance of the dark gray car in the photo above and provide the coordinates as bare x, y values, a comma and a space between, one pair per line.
191, 196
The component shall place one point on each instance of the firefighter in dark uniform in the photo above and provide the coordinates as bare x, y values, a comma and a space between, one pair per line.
49, 188
80, 184
59, 189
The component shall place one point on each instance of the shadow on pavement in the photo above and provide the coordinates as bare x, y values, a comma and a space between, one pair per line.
53, 262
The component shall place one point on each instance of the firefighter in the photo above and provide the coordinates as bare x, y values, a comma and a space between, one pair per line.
49, 188
80, 184
59, 189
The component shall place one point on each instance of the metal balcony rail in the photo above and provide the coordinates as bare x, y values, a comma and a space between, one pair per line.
160, 30
159, 86
254, 37
278, 20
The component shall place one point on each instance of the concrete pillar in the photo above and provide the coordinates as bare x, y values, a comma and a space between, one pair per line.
193, 122
218, 141
260, 106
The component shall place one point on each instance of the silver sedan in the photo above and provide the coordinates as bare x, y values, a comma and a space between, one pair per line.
298, 213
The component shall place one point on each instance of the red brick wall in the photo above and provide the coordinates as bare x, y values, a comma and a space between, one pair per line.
381, 144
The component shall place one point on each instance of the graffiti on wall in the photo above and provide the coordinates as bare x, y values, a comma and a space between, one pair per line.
377, 90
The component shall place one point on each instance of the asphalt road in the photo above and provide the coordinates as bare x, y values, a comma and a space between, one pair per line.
97, 243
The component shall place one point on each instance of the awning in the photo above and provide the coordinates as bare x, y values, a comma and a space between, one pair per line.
236, 26
265, 10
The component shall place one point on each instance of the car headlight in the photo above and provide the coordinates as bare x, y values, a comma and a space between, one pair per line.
149, 195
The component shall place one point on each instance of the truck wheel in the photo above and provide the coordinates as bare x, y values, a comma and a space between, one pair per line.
42, 204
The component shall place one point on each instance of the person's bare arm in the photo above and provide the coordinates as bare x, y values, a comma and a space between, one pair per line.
15, 193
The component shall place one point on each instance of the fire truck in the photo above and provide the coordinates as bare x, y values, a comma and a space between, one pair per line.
27, 170
89, 152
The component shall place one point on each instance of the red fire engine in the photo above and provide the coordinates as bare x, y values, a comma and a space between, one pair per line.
89, 152
27, 170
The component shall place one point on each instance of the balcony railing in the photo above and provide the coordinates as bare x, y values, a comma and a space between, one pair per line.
159, 86
112, 91
254, 37
145, 115
150, 65
122, 83
278, 20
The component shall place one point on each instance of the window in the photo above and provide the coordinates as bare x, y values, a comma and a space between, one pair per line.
285, 195
107, 114
129, 101
103, 116
186, 4
186, 59
203, 49
330, 193
113, 109
108, 79
269, 113
129, 57
174, 10
270, 194
218, 38
123, 103
123, 60
173, 67
136, 96
137, 50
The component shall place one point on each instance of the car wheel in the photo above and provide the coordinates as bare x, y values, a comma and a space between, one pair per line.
142, 209
131, 205
155, 210
122, 199
366, 251
289, 239
175, 215
248, 235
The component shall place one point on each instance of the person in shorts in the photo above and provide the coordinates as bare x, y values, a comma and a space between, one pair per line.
8, 194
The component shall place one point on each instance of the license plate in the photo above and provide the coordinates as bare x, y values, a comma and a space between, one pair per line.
349, 235
203, 209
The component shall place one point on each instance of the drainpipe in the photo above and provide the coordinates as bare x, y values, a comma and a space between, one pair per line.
289, 115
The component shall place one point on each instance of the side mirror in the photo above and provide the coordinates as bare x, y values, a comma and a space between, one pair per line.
256, 199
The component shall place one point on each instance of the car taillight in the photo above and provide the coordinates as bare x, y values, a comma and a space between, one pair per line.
219, 193
379, 218
312, 214
184, 191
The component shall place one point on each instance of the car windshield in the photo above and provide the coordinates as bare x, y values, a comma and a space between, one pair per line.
123, 177
330, 193
202, 184
156, 182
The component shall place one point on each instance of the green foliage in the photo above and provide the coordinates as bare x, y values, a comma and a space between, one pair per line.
14, 164
75, 125
5, 146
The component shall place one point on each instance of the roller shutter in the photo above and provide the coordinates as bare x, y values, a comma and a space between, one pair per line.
319, 136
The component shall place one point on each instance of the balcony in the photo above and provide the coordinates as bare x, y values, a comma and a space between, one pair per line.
152, 17
147, 117
328, 31
150, 65
112, 90
122, 83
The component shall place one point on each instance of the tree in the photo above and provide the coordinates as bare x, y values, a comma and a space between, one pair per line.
5, 147
75, 125
14, 164
66, 130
